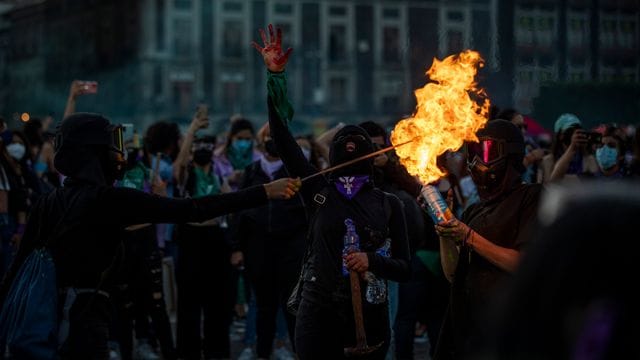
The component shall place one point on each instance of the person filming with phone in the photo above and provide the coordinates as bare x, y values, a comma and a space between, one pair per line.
571, 154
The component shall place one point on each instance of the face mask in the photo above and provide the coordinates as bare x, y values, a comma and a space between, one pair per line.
242, 145
607, 157
307, 153
16, 150
270, 167
202, 157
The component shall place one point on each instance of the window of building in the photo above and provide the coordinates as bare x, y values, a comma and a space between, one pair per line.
628, 34
338, 92
283, 9
545, 30
390, 13
159, 25
232, 6
338, 11
525, 30
391, 41
455, 42
337, 43
577, 35
455, 16
608, 30
182, 37
182, 4
232, 44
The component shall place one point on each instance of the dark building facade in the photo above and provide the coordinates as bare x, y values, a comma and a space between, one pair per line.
353, 59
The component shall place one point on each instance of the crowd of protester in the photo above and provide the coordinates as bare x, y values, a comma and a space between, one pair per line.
242, 268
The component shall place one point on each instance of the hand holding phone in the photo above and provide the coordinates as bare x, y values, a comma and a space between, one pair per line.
201, 118
81, 87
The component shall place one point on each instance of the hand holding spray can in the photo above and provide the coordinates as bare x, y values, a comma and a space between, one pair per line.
436, 205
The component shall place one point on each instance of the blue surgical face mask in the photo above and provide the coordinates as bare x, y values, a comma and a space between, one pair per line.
242, 145
165, 170
16, 151
607, 157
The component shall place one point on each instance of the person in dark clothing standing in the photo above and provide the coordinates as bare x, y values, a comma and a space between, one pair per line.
346, 205
271, 239
204, 273
427, 288
480, 251
138, 294
92, 214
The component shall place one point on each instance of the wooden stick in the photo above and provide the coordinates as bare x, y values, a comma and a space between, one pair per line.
353, 161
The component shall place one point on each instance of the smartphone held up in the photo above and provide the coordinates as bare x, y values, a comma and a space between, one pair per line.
89, 87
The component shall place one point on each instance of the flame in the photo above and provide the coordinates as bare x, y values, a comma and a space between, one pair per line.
449, 112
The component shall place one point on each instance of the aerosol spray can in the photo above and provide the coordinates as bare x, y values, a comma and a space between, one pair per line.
436, 204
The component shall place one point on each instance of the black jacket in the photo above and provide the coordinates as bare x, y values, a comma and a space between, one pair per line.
279, 227
374, 224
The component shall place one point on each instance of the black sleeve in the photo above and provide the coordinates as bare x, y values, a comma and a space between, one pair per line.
291, 154
136, 207
397, 267
528, 215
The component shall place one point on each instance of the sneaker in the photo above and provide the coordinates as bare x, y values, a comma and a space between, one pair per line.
144, 351
246, 354
282, 353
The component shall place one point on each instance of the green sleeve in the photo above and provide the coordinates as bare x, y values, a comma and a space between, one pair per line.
277, 90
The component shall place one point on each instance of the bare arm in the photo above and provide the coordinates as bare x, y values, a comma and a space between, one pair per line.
504, 258
578, 141
76, 89
182, 160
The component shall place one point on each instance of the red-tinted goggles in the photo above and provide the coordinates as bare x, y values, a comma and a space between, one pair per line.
490, 151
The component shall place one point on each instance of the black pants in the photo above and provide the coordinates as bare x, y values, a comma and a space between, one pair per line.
204, 286
89, 319
324, 329
140, 295
273, 269
427, 293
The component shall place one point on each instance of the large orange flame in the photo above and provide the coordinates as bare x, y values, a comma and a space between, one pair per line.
449, 112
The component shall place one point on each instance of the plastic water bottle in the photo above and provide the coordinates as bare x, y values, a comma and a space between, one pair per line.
436, 205
376, 292
351, 244
376, 289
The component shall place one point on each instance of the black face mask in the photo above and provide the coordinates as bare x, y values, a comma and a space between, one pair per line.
202, 157
349, 143
270, 148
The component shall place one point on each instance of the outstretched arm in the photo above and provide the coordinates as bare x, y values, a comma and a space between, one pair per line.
138, 207
280, 110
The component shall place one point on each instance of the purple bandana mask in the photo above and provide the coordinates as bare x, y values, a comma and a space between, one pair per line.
349, 186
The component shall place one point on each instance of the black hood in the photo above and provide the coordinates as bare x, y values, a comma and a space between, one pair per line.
349, 143
83, 148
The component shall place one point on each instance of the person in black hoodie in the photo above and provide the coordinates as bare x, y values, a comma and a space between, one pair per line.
89, 214
480, 251
272, 240
345, 205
